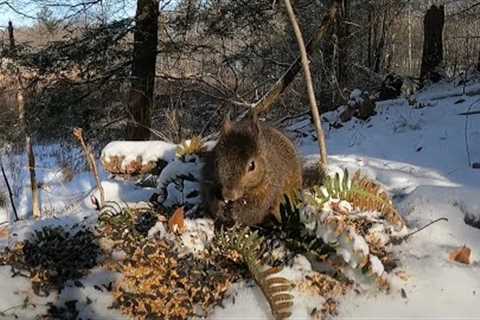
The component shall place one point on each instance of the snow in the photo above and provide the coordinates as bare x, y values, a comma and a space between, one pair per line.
377, 266
418, 155
199, 233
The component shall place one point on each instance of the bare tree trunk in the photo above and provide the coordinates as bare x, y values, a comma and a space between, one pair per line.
343, 32
309, 82
20, 99
478, 62
36, 206
380, 49
370, 31
410, 59
432, 57
143, 69
11, 37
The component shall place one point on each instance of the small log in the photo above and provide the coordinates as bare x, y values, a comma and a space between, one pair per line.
137, 157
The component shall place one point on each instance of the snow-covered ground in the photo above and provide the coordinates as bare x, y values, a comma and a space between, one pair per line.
419, 155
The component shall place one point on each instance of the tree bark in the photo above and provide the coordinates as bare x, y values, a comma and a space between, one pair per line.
143, 70
432, 57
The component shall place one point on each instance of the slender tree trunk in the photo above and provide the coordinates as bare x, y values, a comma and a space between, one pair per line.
370, 32
11, 38
410, 59
143, 69
308, 79
36, 206
478, 62
343, 31
20, 100
432, 57
380, 49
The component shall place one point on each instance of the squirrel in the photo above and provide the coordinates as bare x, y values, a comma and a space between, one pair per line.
249, 172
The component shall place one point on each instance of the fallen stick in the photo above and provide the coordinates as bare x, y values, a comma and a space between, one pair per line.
78, 134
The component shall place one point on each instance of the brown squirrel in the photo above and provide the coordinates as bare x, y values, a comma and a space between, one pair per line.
248, 173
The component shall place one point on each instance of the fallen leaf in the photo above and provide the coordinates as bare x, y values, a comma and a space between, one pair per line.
4, 233
462, 255
402, 275
176, 223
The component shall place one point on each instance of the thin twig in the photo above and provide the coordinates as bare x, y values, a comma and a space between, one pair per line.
10, 194
265, 103
78, 134
308, 79
465, 133
405, 237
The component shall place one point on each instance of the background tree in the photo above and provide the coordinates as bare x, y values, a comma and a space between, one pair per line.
433, 43
47, 20
140, 98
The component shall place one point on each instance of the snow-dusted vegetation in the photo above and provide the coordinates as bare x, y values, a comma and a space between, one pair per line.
418, 157
225, 159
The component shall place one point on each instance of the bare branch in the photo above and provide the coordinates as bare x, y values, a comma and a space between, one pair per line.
6, 3
78, 134
309, 82
267, 101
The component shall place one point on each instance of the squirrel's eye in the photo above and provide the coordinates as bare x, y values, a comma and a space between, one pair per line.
251, 166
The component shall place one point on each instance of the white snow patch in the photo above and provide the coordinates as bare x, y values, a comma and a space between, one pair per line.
198, 234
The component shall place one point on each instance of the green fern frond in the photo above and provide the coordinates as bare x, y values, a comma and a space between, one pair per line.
359, 191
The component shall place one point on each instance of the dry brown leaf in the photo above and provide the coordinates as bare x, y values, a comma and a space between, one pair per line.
176, 223
402, 275
462, 255
4, 233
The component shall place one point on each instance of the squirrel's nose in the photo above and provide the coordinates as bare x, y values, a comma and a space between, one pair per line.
231, 195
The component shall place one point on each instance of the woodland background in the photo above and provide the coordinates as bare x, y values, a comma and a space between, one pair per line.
175, 68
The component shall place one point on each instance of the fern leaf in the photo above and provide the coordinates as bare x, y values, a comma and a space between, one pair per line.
337, 186
275, 289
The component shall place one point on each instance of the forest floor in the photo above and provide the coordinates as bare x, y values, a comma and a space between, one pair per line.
420, 155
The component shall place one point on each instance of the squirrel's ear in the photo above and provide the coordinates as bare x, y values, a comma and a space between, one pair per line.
253, 124
252, 114
227, 125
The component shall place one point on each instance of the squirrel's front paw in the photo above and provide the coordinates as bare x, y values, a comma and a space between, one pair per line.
223, 214
247, 213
